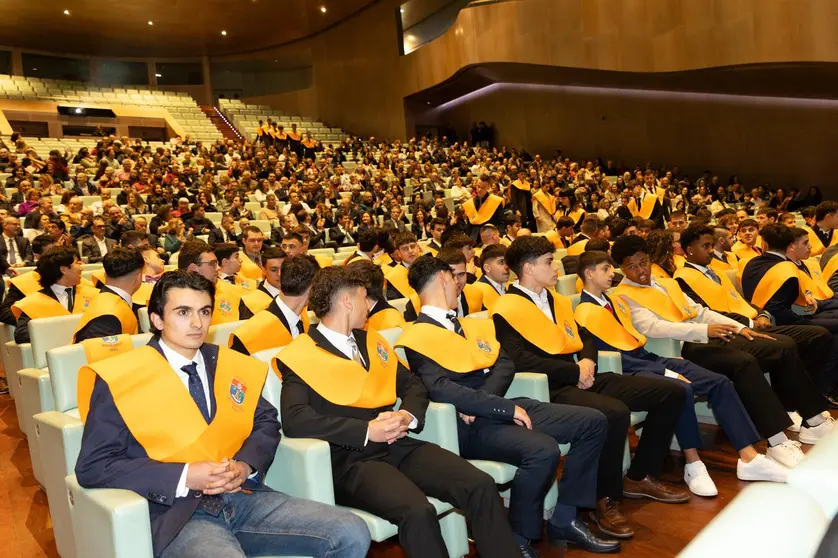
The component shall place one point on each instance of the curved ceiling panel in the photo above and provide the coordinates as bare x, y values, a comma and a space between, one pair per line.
181, 28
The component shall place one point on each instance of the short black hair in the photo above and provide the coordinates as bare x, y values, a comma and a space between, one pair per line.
526, 249
459, 241
823, 209
41, 243
371, 275
511, 219
437, 221
695, 232
327, 284
589, 259
491, 252
769, 212
618, 227
132, 238
273, 253
597, 244
297, 273
179, 279
368, 239
50, 263
777, 237
812, 212
294, 236
452, 256
626, 246
190, 253
120, 262
224, 250
423, 271
563, 222
403, 238
590, 225
748, 223
797, 232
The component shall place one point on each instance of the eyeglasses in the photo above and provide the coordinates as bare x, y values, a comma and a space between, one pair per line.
212, 263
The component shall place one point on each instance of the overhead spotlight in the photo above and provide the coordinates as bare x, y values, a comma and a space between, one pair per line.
79, 111
158, 75
401, 10
66, 12
34, 69
224, 33
151, 23
323, 9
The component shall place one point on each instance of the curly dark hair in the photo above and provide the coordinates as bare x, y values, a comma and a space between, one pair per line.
327, 284
297, 273
371, 275
661, 252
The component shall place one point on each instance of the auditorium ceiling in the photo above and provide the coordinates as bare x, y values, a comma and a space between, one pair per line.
179, 28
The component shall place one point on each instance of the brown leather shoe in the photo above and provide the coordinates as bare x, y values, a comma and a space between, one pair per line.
654, 490
609, 519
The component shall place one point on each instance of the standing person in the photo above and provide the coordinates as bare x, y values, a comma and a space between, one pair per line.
484, 207
521, 196
206, 498
462, 363
340, 384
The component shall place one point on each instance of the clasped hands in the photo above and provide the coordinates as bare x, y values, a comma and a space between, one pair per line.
389, 426
214, 478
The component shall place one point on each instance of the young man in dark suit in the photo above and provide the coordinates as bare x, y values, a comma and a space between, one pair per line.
21, 250
113, 312
469, 298
23, 285
344, 233
208, 501
225, 233
461, 363
376, 467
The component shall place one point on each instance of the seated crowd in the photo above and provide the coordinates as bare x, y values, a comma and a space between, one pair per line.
728, 274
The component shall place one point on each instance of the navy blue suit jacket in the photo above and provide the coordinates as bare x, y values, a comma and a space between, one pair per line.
104, 325
111, 457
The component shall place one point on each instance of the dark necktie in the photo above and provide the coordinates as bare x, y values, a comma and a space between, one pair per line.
70, 301
12, 257
231, 279
712, 275
609, 308
298, 327
452, 317
196, 389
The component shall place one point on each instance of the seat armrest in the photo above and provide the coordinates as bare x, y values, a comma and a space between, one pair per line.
610, 361
440, 427
302, 468
670, 348
530, 384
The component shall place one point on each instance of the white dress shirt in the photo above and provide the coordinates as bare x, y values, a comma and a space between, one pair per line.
541, 300
293, 319
123, 295
177, 362
695, 330
6, 240
501, 289
273, 291
440, 315
103, 245
60, 292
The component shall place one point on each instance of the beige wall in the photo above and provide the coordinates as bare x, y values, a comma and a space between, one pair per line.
761, 140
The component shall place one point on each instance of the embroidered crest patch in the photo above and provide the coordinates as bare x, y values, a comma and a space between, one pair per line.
237, 391
621, 306
109, 340
569, 330
382, 351
225, 306
484, 346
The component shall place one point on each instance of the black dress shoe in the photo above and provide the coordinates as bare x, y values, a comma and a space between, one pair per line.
577, 533
529, 552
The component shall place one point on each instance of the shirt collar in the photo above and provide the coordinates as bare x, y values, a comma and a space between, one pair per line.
59, 290
631, 283
123, 295
438, 314
718, 254
701, 268
339, 340
290, 316
501, 289
601, 300
532, 294
273, 291
778, 254
177, 360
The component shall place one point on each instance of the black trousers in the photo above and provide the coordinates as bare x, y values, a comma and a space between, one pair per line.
522, 201
616, 396
536, 454
395, 488
817, 351
740, 359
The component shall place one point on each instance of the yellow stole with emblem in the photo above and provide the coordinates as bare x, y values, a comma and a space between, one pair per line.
647, 206
744, 254
553, 236
577, 215
397, 276
142, 379
27, 283
264, 331
40, 305
477, 350
831, 266
814, 282
522, 185
383, 259
671, 305
556, 338
601, 323
105, 304
487, 209
257, 300
474, 298
246, 283
577, 247
816, 243
343, 381
97, 349
731, 262
227, 298
384, 319
249, 269
771, 282
719, 297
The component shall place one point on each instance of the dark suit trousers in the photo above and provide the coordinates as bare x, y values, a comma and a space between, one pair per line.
740, 361
818, 349
617, 396
395, 488
720, 392
536, 454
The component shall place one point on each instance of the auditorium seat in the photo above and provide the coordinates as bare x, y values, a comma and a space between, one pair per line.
817, 475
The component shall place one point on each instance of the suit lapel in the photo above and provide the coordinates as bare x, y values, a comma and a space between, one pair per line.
321, 341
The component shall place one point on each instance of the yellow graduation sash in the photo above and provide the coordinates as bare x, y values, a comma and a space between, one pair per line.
343, 381
97, 349
385, 319
816, 283
27, 283
602, 324
264, 331
743, 253
249, 269
577, 247
488, 295
553, 236
577, 215
143, 294
659, 273
227, 298
309, 143
39, 305
474, 298
105, 304
815, 241
671, 306
477, 350
719, 297
256, 300
647, 206
352, 257
397, 276
771, 282
99, 278
521, 185
142, 379
831, 266
246, 283
547, 201
482, 215
527, 319
383, 259
731, 262
294, 137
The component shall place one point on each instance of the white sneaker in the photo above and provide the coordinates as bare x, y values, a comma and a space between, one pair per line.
796, 420
812, 435
698, 480
788, 453
761, 469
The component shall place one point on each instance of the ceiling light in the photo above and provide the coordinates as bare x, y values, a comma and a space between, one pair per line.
224, 33
34, 69
78, 111
323, 9
151, 23
158, 75
401, 10
66, 12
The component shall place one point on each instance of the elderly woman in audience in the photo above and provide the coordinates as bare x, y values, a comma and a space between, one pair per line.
176, 235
